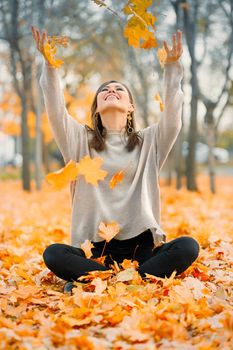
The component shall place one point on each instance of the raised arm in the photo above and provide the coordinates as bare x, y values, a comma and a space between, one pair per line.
170, 123
66, 131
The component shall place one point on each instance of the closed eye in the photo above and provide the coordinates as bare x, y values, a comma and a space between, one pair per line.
104, 89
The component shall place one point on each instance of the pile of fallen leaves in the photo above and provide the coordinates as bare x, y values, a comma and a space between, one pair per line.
116, 309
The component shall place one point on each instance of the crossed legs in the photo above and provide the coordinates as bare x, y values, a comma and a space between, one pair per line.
69, 263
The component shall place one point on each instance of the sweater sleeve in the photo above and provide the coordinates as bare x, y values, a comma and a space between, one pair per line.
170, 123
67, 132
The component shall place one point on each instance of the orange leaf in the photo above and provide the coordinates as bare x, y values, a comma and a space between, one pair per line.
149, 43
139, 23
86, 247
24, 292
58, 39
60, 178
161, 105
129, 263
50, 50
100, 260
132, 33
99, 284
108, 231
118, 177
90, 169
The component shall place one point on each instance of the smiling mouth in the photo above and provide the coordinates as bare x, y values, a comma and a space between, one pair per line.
111, 96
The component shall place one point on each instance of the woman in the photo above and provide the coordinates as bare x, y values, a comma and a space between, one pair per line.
135, 202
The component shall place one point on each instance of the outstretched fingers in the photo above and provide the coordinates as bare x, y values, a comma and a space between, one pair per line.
174, 42
33, 33
166, 47
176, 49
39, 38
179, 45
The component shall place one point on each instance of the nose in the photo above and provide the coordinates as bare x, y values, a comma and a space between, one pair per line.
111, 90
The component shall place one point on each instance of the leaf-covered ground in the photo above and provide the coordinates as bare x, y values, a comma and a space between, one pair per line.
116, 310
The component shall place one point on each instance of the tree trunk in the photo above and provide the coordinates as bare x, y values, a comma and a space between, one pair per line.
25, 147
211, 159
45, 155
192, 137
178, 145
38, 141
38, 147
179, 158
190, 27
211, 141
40, 8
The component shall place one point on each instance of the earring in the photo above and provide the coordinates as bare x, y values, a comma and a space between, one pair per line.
129, 118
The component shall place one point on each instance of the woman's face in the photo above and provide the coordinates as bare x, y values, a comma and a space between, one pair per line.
113, 96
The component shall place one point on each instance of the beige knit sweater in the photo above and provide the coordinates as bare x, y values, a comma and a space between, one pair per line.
135, 202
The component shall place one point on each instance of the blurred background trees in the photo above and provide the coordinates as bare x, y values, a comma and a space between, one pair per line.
98, 51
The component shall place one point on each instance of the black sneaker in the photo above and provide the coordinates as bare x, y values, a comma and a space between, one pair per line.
68, 287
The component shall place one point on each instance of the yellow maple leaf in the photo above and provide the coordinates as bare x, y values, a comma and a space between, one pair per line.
58, 40
118, 177
133, 36
137, 6
127, 263
63, 176
108, 231
90, 169
50, 50
161, 105
148, 44
86, 247
137, 27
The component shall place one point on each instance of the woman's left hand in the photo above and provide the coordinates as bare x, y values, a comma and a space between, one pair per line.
176, 51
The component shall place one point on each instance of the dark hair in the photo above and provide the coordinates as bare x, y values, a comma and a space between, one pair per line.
99, 132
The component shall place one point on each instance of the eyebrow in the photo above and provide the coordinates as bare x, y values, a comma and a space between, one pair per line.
115, 86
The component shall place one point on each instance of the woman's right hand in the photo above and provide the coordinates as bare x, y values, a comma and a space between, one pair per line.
40, 41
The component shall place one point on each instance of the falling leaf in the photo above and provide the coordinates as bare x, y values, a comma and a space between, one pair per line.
108, 231
86, 247
158, 98
139, 24
58, 40
150, 43
90, 169
63, 176
99, 2
118, 177
49, 52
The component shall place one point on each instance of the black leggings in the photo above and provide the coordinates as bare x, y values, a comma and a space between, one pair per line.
69, 263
